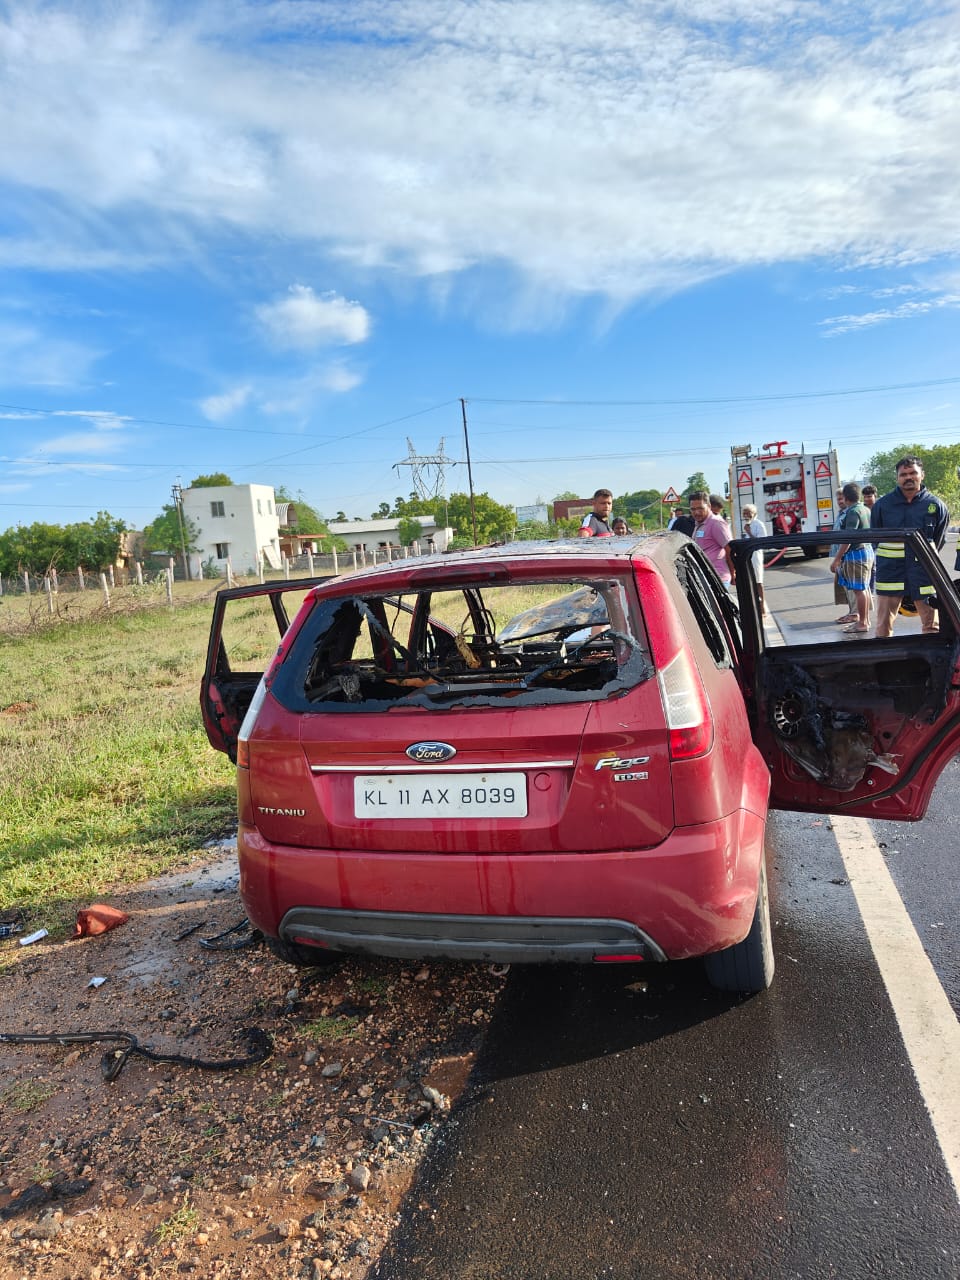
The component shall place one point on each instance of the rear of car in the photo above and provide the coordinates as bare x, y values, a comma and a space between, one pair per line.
530, 753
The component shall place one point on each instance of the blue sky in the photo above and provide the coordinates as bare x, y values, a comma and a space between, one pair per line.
281, 239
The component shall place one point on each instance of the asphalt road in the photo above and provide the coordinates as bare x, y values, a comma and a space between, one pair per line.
627, 1123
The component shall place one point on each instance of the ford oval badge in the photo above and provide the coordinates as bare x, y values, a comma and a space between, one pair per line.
431, 752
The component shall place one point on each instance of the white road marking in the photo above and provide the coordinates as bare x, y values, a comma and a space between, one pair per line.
928, 1025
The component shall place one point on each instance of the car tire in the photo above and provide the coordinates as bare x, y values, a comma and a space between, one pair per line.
304, 957
747, 966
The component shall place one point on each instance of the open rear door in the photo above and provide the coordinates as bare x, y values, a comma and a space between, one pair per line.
248, 624
847, 723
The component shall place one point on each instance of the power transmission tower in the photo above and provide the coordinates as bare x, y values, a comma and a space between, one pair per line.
427, 470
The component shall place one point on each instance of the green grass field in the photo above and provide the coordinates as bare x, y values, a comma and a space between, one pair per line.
106, 775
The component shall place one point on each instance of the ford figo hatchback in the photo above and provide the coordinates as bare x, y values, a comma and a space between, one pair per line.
550, 752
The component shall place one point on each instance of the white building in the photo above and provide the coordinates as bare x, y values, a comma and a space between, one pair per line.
235, 522
368, 536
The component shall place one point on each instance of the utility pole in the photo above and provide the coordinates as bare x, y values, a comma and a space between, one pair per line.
466, 441
178, 503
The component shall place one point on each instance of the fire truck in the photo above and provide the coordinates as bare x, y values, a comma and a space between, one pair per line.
793, 492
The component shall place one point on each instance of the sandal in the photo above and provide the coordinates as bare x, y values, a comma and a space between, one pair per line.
855, 629
847, 617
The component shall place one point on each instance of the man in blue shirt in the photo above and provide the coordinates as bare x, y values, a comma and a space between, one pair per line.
909, 506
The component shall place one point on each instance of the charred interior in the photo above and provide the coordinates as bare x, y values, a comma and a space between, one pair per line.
520, 641
838, 721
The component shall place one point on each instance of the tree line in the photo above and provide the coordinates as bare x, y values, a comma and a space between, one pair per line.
96, 543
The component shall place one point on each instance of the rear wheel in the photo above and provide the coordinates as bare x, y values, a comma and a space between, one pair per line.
303, 957
748, 965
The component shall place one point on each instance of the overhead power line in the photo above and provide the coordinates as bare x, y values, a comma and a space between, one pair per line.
756, 399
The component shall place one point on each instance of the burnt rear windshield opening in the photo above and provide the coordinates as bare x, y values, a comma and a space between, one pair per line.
530, 642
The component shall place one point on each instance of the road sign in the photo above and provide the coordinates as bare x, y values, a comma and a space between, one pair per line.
670, 496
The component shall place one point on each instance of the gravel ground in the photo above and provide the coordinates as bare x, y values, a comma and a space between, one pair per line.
294, 1167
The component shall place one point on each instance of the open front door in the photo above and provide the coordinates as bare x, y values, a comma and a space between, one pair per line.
248, 624
847, 723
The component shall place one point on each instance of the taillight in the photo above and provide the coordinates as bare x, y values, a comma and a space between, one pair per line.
689, 723
249, 720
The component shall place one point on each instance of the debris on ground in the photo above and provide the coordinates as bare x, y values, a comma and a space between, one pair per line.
100, 918
295, 1167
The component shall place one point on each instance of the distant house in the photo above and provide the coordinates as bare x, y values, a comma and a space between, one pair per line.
567, 507
368, 536
292, 543
235, 522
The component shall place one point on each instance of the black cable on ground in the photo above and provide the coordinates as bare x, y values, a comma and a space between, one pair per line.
113, 1062
248, 936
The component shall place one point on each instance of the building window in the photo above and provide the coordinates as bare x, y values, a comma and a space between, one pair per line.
269, 507
223, 550
216, 509
259, 507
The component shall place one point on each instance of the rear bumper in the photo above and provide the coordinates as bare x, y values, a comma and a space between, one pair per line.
501, 939
692, 894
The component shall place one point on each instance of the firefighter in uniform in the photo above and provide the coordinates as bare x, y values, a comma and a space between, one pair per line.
909, 506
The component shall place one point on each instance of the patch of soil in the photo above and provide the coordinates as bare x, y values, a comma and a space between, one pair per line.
292, 1167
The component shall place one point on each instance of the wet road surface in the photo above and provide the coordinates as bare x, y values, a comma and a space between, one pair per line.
631, 1124
628, 1123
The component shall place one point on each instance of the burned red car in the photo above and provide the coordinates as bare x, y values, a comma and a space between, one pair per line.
554, 751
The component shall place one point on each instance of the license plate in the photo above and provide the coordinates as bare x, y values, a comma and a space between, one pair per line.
461, 795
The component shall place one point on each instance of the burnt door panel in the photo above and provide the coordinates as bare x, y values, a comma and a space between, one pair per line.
847, 723
247, 625
863, 733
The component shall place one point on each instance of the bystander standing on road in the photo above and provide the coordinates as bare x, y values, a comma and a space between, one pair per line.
717, 507
840, 594
868, 496
852, 561
620, 527
683, 523
753, 527
712, 534
909, 506
597, 523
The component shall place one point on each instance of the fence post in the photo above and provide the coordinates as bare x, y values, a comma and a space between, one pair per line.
139, 569
286, 568
48, 587
56, 581
26, 582
80, 579
1, 584
310, 564
229, 571
336, 567
354, 561
261, 561
113, 581
105, 589
169, 577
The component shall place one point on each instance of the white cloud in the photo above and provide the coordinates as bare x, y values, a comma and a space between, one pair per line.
305, 320
45, 455
582, 148
32, 358
338, 377
216, 408
835, 325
